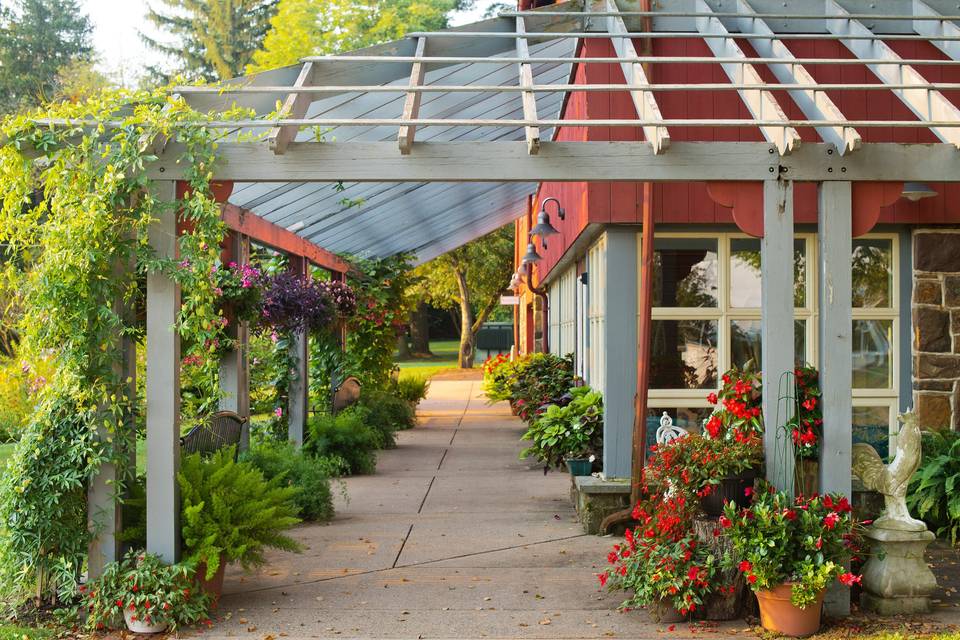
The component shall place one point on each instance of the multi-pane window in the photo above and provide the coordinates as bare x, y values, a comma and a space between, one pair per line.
706, 318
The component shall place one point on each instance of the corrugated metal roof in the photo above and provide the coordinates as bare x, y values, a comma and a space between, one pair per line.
427, 219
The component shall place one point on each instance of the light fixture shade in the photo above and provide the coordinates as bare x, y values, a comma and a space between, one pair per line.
515, 281
531, 256
543, 227
915, 191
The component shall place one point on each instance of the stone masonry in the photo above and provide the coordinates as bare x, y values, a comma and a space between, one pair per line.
936, 327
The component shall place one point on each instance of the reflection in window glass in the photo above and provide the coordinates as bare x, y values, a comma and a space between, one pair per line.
690, 418
800, 342
685, 272
745, 342
872, 426
684, 354
872, 264
871, 354
745, 273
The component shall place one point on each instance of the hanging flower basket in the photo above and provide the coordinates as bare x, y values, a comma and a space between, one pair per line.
342, 296
295, 303
239, 289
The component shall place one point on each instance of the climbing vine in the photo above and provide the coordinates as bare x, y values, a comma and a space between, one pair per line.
76, 207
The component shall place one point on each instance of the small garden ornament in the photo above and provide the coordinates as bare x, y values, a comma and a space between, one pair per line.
896, 578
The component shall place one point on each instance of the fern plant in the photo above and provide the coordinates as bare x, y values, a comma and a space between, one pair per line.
934, 494
230, 511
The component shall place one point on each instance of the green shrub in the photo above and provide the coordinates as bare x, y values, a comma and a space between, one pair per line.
570, 429
934, 493
346, 436
388, 411
308, 475
229, 510
412, 389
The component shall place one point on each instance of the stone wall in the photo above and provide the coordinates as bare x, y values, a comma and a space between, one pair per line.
936, 327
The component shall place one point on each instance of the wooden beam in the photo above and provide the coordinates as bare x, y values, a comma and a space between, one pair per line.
926, 103
814, 102
295, 106
276, 237
298, 393
936, 28
644, 102
762, 104
531, 133
411, 106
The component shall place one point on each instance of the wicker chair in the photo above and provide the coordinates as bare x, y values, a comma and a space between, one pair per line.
346, 394
223, 430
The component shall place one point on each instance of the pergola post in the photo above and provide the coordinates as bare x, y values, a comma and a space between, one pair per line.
163, 386
234, 371
299, 391
620, 313
836, 351
776, 328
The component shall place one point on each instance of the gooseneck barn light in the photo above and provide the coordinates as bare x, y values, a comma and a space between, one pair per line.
914, 191
531, 256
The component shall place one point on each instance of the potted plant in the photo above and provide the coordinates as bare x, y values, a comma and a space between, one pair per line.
239, 287
568, 432
789, 551
231, 513
293, 302
145, 594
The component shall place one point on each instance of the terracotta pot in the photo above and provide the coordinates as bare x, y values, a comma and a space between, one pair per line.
663, 611
139, 626
732, 489
213, 586
778, 614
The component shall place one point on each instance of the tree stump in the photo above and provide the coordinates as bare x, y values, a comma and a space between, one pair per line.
720, 606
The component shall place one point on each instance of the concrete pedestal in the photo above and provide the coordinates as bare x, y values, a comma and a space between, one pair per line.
896, 578
595, 499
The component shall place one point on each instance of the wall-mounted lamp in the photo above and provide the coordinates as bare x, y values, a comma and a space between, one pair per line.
915, 191
515, 280
531, 256
561, 213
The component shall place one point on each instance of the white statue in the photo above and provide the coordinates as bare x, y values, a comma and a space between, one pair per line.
669, 431
892, 480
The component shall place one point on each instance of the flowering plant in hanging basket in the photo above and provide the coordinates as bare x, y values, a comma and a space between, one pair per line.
293, 302
239, 288
342, 296
146, 594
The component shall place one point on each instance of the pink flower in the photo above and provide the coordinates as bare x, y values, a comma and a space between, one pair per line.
278, 412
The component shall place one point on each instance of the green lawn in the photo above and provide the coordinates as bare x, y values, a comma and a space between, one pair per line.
14, 632
444, 358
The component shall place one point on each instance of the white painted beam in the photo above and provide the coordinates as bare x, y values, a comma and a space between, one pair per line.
836, 351
643, 101
927, 104
163, 386
815, 104
532, 133
234, 365
762, 104
295, 106
299, 389
777, 330
933, 29
411, 106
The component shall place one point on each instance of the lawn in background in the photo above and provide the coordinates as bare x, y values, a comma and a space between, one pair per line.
444, 359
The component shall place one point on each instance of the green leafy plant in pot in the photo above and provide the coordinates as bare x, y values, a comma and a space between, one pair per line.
568, 433
231, 513
789, 551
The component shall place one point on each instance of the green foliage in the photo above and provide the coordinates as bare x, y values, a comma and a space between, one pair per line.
314, 27
570, 429
151, 591
16, 632
346, 436
530, 382
212, 39
412, 388
38, 39
388, 409
20, 381
230, 511
933, 494
308, 475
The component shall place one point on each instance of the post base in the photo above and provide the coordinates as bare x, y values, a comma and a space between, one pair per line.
896, 578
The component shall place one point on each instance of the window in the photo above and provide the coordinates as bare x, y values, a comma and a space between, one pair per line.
596, 287
706, 318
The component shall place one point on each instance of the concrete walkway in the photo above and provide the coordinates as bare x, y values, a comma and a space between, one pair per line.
454, 537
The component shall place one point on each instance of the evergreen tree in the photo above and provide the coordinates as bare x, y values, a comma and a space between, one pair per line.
211, 39
39, 38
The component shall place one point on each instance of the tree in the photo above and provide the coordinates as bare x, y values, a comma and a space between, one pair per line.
471, 277
314, 27
38, 38
213, 39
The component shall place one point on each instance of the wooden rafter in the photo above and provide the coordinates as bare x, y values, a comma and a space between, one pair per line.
411, 106
934, 29
295, 106
927, 103
532, 133
643, 101
762, 104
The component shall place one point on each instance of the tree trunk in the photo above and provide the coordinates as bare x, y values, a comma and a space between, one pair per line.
420, 330
403, 348
467, 351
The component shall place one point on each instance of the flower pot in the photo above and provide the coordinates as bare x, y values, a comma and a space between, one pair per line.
780, 615
141, 626
213, 586
663, 611
579, 466
732, 489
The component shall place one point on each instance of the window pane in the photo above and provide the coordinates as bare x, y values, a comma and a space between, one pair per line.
745, 342
684, 354
745, 273
690, 418
872, 426
871, 354
685, 272
800, 342
872, 264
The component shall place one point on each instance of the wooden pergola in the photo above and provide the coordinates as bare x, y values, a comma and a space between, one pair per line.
421, 111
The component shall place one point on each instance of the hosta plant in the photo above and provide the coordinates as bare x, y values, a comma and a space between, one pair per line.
573, 429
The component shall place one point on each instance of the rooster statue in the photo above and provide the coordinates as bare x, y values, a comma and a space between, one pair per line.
892, 480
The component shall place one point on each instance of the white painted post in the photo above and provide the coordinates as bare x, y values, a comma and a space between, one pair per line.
836, 352
163, 388
776, 327
620, 302
299, 391
234, 366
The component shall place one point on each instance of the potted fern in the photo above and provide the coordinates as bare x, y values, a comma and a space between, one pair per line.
231, 513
